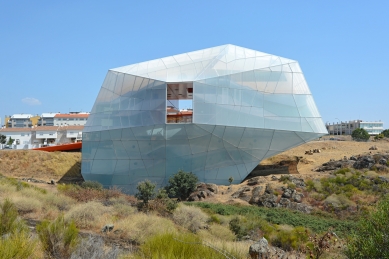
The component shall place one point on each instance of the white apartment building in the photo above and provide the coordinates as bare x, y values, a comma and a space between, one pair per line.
347, 127
20, 121
47, 119
71, 119
21, 136
28, 138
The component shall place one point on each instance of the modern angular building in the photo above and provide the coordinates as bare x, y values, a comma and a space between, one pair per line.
241, 106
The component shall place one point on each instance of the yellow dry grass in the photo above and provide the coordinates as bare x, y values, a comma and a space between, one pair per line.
39, 164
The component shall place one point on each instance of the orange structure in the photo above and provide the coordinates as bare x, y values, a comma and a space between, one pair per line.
64, 147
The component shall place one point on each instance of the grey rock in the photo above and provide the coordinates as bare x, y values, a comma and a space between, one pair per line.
240, 191
255, 195
260, 249
297, 197
287, 193
268, 200
383, 161
255, 180
107, 228
353, 158
269, 189
284, 202
212, 187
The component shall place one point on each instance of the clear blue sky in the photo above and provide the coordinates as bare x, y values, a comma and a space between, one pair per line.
54, 55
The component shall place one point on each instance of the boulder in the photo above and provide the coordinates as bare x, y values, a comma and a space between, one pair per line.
287, 193
297, 197
383, 161
267, 200
269, 189
255, 180
256, 193
213, 188
240, 192
260, 249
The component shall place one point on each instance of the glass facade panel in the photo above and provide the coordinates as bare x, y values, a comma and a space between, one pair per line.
247, 106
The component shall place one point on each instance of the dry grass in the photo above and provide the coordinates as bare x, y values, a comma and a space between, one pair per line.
216, 231
39, 164
190, 217
140, 226
87, 215
26, 204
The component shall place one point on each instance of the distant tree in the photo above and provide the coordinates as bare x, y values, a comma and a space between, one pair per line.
371, 238
3, 139
10, 141
360, 135
146, 191
182, 184
230, 180
385, 133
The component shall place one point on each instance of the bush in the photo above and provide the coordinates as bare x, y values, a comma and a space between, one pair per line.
370, 238
19, 245
385, 133
92, 185
190, 217
182, 184
146, 191
360, 135
9, 222
58, 238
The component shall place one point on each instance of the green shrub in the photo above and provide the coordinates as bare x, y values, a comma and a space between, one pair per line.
58, 238
256, 217
310, 185
182, 184
19, 245
92, 185
385, 133
146, 191
360, 135
370, 238
9, 221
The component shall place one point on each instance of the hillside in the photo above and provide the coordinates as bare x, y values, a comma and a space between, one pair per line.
289, 210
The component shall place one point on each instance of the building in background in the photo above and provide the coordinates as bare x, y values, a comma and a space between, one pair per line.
347, 127
21, 120
246, 106
72, 119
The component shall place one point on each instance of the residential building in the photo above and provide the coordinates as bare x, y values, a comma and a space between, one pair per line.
21, 136
71, 119
21, 120
347, 127
47, 119
246, 106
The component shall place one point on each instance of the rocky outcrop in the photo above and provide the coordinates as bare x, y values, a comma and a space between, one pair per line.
203, 191
290, 198
243, 193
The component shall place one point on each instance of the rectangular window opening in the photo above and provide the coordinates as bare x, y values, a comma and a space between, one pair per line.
179, 102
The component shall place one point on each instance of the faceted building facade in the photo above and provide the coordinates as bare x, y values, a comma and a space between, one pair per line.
242, 106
